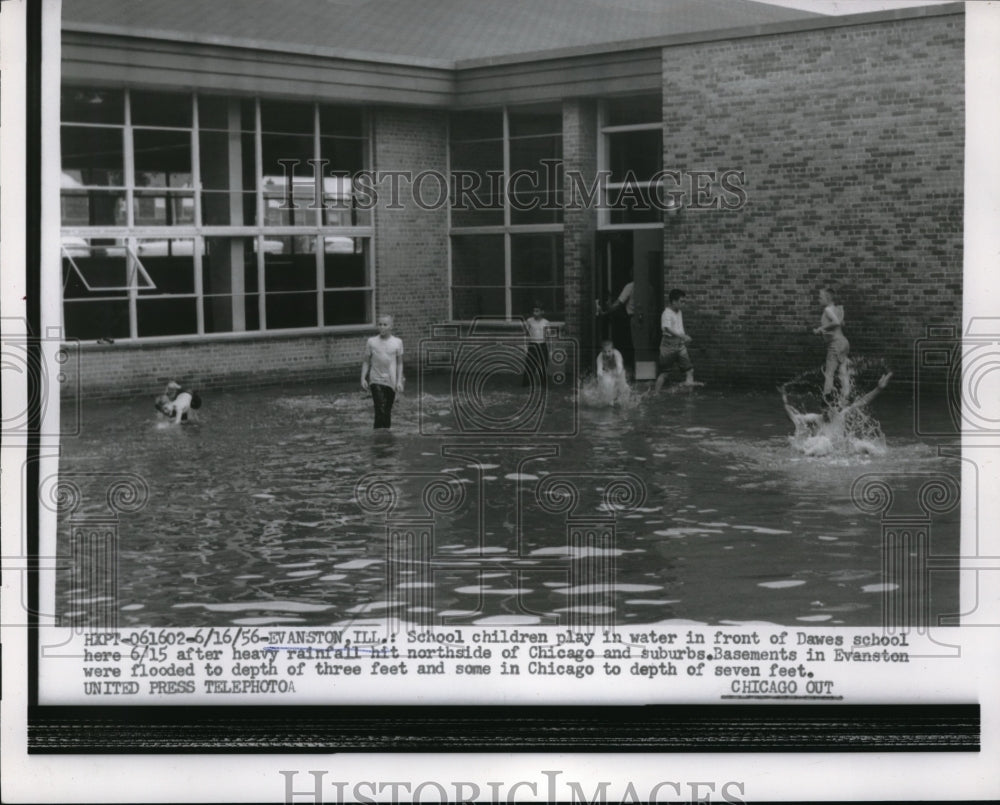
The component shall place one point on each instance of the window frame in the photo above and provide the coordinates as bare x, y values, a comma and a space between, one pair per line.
507, 228
605, 134
129, 233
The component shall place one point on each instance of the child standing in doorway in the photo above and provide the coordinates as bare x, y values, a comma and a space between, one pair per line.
382, 371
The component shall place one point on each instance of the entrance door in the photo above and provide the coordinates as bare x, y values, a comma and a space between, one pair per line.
633, 256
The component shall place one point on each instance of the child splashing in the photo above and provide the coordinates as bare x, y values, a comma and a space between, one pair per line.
843, 428
609, 386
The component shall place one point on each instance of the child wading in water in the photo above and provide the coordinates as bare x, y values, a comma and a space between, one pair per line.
612, 386
820, 434
837, 346
177, 403
673, 345
382, 371
536, 360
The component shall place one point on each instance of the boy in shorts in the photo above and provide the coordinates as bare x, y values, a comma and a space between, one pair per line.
673, 344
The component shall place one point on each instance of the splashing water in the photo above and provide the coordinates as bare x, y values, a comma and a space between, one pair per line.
842, 430
605, 392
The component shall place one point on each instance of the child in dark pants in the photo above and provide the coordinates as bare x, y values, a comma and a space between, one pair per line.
536, 361
382, 371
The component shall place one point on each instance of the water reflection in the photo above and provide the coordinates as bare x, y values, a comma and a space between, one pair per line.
252, 516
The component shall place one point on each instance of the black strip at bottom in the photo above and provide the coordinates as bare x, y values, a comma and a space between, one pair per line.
666, 728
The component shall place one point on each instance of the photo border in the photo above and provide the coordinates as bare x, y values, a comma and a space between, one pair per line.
515, 728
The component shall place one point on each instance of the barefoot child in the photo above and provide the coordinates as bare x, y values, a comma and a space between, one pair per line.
837, 346
673, 345
382, 371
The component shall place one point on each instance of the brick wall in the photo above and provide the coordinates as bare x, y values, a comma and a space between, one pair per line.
124, 369
411, 244
579, 225
851, 140
411, 281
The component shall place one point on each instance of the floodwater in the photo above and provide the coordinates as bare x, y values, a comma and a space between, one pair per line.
687, 507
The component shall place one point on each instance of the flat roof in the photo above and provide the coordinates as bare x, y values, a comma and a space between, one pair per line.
433, 33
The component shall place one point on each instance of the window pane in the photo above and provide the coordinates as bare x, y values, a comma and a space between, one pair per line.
288, 310
282, 179
347, 121
479, 156
290, 282
640, 152
167, 316
342, 155
169, 265
536, 259
537, 274
478, 276
345, 264
251, 311
476, 125
477, 183
223, 160
346, 307
280, 211
467, 303
83, 105
521, 124
536, 193
94, 268
224, 209
523, 300
477, 260
160, 108
633, 204
214, 112
535, 153
93, 156
225, 265
339, 207
93, 207
289, 264
296, 118
163, 209
89, 321
636, 216
628, 111
162, 158
278, 149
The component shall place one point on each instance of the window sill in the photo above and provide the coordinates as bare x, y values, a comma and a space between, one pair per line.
222, 338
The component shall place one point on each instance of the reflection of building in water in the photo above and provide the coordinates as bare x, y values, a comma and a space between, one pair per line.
737, 159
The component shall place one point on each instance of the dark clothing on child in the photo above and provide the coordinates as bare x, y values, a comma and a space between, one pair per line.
536, 364
383, 397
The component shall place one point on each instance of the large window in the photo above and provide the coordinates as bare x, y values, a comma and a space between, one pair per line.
632, 156
200, 214
506, 213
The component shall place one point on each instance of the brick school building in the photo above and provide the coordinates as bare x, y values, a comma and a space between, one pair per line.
247, 185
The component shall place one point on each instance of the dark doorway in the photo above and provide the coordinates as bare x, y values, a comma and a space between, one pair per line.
636, 256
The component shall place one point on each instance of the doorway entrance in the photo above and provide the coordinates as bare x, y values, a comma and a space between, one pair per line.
634, 255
